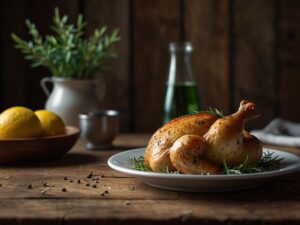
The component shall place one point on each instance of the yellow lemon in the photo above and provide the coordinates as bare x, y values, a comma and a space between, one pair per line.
19, 122
52, 124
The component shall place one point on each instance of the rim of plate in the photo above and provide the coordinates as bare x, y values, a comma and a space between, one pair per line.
113, 162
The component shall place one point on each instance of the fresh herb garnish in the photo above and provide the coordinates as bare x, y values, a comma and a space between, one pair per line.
214, 112
268, 162
139, 163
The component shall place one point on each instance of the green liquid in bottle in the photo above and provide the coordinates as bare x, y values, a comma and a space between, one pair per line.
180, 99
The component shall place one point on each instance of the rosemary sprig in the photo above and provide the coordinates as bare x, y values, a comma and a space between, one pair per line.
268, 162
214, 111
139, 163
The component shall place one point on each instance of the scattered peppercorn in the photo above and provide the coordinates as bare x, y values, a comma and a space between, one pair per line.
90, 175
65, 178
63, 189
45, 184
78, 181
106, 191
87, 184
29, 186
95, 186
102, 194
71, 181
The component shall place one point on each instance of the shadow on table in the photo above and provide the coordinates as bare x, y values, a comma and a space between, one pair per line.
288, 189
67, 160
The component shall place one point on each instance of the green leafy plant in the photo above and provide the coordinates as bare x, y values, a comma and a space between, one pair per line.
66, 53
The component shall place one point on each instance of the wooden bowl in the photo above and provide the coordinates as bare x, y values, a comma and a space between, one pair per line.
37, 149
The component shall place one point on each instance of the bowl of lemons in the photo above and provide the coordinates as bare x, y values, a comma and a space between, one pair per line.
32, 136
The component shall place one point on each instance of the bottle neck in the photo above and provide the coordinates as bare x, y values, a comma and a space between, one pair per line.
180, 69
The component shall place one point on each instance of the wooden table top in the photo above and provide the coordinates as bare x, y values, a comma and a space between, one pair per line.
65, 192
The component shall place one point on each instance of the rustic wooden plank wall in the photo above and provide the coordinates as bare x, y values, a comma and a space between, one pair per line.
254, 52
156, 23
289, 59
12, 65
242, 49
207, 27
114, 14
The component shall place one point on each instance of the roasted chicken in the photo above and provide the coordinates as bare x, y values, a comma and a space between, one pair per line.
202, 142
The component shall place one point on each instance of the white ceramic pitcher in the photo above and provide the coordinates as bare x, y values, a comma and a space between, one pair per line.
70, 97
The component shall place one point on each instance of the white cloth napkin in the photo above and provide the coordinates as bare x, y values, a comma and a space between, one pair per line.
280, 132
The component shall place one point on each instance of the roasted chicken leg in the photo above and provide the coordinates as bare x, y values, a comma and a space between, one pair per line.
200, 143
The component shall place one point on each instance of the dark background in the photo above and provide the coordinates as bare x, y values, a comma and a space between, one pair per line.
242, 50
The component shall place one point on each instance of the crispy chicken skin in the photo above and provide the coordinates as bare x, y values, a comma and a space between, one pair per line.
200, 143
157, 155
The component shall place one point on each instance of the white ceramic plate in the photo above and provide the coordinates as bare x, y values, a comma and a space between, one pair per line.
202, 183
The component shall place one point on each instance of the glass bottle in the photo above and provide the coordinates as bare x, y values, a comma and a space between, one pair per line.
181, 92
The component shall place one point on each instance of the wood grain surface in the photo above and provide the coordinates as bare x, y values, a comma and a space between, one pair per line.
254, 57
207, 27
13, 64
289, 58
156, 24
242, 49
81, 189
116, 78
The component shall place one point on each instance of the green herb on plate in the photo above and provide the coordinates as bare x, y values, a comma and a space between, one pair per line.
268, 162
213, 111
138, 163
